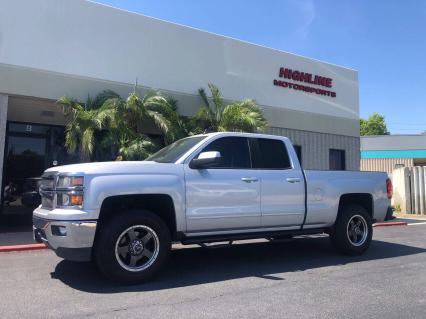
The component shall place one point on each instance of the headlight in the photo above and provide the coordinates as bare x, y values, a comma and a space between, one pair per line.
67, 199
69, 191
70, 181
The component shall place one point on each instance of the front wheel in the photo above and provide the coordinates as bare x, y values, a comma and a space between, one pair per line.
132, 247
353, 230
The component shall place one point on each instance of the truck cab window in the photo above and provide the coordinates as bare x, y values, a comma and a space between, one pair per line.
233, 150
269, 154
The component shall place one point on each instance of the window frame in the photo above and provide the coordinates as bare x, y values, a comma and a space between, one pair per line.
296, 147
208, 143
343, 152
256, 149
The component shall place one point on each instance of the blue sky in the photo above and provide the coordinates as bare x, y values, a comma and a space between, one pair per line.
385, 40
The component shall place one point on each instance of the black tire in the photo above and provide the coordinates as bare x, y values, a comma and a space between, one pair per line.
112, 263
345, 237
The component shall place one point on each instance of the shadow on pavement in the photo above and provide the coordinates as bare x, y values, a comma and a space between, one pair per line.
16, 219
194, 266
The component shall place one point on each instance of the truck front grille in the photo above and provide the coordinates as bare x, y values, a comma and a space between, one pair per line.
47, 190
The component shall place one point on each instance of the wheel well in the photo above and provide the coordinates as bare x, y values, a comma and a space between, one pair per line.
363, 199
159, 204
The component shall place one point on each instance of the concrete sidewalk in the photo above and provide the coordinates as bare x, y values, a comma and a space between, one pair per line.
16, 238
410, 218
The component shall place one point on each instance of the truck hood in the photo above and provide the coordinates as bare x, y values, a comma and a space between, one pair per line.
118, 167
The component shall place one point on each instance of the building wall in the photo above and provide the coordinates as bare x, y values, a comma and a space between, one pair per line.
76, 57
384, 164
27, 82
315, 147
393, 142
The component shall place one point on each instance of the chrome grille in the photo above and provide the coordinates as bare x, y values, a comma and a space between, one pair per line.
48, 181
47, 190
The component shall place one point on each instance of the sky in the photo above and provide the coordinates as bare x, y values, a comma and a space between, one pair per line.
384, 40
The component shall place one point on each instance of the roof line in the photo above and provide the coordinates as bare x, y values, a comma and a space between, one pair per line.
217, 34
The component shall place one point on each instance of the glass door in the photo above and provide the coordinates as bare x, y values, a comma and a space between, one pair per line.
25, 161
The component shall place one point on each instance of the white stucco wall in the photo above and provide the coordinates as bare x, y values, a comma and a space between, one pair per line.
85, 39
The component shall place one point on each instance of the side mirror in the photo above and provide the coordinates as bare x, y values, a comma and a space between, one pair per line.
206, 160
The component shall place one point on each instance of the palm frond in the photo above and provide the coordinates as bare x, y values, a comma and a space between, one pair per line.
243, 116
138, 149
102, 97
87, 143
157, 103
72, 137
216, 96
160, 121
202, 93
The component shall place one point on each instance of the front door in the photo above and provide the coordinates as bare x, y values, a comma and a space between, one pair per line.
29, 150
24, 164
226, 196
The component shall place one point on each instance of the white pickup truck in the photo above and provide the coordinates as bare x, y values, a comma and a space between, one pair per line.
201, 189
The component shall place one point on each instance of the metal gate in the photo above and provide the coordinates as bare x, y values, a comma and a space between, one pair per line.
410, 189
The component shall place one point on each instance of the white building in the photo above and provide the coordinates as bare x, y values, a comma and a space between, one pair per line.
51, 48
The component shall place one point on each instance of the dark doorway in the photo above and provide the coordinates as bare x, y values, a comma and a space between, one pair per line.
29, 150
337, 160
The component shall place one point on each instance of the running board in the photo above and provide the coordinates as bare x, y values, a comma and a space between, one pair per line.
188, 240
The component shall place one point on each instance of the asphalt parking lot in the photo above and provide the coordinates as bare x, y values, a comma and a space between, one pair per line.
302, 278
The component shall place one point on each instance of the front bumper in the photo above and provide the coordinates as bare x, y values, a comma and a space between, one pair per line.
72, 240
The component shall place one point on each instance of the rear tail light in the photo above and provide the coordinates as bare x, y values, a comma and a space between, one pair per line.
389, 188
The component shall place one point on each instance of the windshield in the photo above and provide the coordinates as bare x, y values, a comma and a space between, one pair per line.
173, 152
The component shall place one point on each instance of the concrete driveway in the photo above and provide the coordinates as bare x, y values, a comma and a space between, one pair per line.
302, 278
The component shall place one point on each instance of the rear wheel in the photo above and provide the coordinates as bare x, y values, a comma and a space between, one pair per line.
353, 230
132, 247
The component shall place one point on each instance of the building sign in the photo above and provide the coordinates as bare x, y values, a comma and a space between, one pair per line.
305, 78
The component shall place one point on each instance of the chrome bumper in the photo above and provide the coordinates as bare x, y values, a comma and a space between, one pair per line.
71, 240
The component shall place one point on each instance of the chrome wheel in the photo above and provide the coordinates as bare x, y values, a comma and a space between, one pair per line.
137, 248
357, 230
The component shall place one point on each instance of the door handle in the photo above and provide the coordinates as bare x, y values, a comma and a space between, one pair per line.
249, 179
293, 179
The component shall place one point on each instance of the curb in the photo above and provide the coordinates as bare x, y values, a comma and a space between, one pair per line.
5, 249
390, 224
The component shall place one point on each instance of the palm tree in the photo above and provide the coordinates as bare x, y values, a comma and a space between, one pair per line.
127, 120
83, 122
128, 117
239, 116
107, 124
180, 126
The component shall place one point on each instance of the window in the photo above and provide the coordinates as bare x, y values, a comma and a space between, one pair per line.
233, 150
298, 150
337, 160
173, 152
269, 154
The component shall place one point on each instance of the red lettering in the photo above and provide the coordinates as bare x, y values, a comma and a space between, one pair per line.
296, 75
307, 78
285, 73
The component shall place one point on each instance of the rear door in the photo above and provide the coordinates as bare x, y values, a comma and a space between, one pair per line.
227, 196
282, 183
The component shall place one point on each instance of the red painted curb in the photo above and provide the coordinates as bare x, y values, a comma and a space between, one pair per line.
390, 224
4, 249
